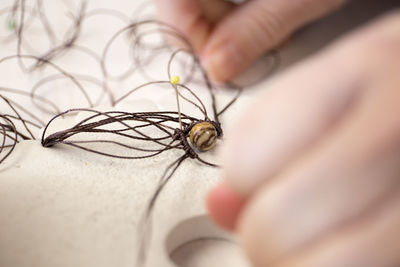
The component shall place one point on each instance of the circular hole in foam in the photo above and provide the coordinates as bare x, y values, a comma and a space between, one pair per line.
197, 242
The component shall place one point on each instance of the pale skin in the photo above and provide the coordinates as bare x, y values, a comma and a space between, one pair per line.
312, 169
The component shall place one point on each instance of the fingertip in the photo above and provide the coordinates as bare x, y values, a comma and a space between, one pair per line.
223, 60
224, 206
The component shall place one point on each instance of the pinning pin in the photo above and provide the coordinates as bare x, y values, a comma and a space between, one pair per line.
175, 80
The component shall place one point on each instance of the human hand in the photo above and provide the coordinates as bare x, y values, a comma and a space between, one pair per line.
229, 38
313, 168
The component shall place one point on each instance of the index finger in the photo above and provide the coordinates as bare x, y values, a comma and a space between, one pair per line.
186, 16
194, 18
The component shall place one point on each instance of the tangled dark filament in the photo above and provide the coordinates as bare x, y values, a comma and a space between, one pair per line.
115, 134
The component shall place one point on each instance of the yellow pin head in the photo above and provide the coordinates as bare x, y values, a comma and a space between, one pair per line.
175, 80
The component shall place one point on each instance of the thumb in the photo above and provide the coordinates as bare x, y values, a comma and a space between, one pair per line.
254, 28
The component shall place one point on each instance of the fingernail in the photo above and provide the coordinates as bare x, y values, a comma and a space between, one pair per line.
225, 206
223, 61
